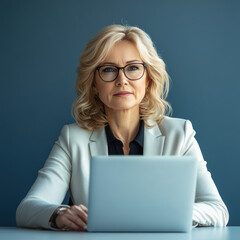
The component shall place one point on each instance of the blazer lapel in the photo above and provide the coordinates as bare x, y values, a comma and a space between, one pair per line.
153, 141
98, 143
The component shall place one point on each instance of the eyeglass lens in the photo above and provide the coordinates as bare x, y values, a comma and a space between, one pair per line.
132, 71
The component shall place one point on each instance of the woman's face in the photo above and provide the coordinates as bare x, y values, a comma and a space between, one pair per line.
121, 94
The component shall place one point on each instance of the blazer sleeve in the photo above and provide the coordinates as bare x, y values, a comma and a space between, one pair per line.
50, 187
209, 208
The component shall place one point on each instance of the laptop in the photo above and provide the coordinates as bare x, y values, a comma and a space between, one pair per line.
141, 193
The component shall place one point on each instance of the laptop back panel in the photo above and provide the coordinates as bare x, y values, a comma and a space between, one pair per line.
140, 193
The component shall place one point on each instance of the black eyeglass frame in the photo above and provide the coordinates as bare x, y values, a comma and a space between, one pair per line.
123, 68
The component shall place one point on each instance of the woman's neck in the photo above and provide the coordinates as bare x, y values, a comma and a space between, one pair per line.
124, 124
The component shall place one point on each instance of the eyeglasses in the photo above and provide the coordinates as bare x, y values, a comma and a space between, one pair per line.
132, 71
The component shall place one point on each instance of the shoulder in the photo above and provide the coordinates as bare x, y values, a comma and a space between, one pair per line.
74, 131
176, 125
74, 127
170, 121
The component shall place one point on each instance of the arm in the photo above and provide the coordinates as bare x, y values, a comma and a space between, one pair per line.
209, 209
48, 191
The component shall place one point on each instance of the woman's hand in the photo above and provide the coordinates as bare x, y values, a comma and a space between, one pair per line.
73, 218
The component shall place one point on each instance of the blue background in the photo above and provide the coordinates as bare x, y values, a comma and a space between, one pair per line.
41, 42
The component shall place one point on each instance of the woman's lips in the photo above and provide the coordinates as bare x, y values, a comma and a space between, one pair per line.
122, 94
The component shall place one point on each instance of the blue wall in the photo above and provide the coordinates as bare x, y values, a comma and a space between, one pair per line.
41, 42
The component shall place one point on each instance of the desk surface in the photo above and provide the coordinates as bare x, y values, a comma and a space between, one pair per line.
204, 233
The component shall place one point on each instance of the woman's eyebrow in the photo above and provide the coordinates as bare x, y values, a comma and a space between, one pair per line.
112, 63
108, 63
135, 60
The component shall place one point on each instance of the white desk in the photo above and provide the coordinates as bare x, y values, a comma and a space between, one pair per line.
228, 233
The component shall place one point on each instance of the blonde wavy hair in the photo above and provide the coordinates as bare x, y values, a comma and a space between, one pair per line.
88, 110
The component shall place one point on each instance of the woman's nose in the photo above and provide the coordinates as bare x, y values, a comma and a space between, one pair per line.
121, 79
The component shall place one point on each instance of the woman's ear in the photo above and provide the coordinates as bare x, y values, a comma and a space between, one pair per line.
148, 80
94, 89
95, 92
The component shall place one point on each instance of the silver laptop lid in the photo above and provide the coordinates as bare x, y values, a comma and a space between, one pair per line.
141, 193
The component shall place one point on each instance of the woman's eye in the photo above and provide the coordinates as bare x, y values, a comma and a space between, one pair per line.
133, 68
108, 69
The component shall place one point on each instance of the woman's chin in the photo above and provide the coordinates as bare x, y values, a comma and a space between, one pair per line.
123, 107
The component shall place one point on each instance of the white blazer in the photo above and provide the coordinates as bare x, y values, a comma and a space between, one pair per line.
68, 164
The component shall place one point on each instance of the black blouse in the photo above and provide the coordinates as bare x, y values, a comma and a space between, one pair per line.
115, 146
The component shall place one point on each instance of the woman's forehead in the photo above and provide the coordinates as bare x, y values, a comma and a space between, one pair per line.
123, 52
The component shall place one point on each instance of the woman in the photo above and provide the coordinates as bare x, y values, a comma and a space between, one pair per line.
122, 85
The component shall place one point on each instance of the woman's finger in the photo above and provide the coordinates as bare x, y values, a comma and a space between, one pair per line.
67, 223
79, 212
73, 218
76, 215
84, 208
